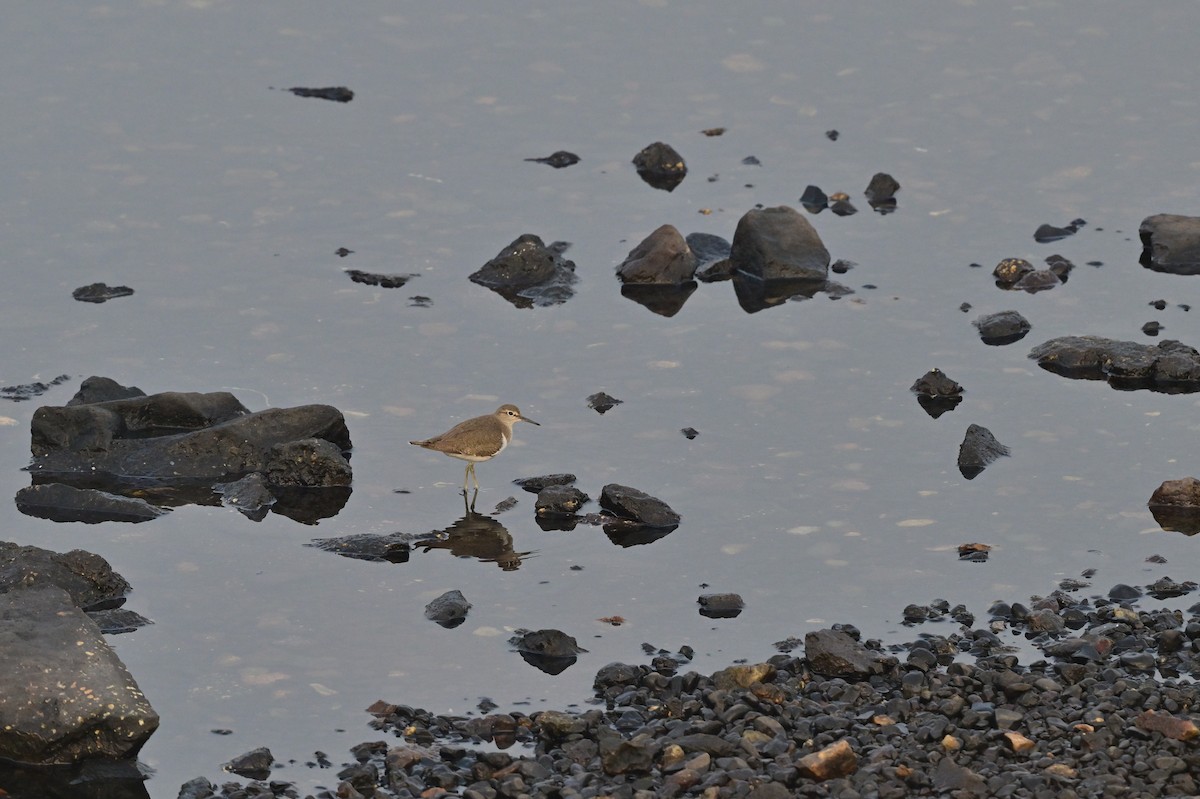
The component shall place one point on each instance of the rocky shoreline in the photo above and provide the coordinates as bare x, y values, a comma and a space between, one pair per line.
1109, 710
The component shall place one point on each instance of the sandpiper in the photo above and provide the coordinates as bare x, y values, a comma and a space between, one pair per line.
476, 440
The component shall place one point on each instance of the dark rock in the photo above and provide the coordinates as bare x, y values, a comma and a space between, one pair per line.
374, 279
778, 244
602, 403
338, 94
62, 503
936, 383
100, 292
842, 206
707, 248
104, 389
1152, 328
713, 131
551, 651
619, 756
1037, 280
30, 390
560, 500
1171, 243
528, 272
881, 192
306, 463
630, 503
663, 257
721, 606
1010, 270
978, 449
660, 166
690, 433
64, 694
1048, 233
342, 252
814, 200
832, 653
534, 485
116, 621
666, 300
393, 548
254, 765
832, 135
952, 779
449, 609
86, 577
558, 160
1168, 367
250, 496
1002, 327
751, 160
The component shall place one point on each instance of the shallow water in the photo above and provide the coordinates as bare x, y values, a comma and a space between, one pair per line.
153, 147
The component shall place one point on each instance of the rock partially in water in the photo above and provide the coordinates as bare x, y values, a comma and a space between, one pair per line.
337, 94
637, 506
63, 503
708, 248
86, 577
1037, 280
392, 548
1175, 505
449, 610
1171, 243
551, 651
100, 292
250, 496
528, 272
104, 389
663, 258
814, 200
601, 402
978, 449
558, 160
660, 166
30, 390
721, 606
66, 695
560, 500
937, 393
778, 244
1010, 270
881, 192
1169, 367
534, 485
1002, 327
1048, 233
833, 653
376, 279
255, 764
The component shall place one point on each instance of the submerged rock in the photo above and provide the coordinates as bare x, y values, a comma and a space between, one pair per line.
1002, 327
528, 272
28, 391
660, 166
978, 449
551, 651
558, 160
560, 500
255, 764
338, 94
601, 402
881, 192
937, 393
1171, 243
375, 279
449, 609
100, 292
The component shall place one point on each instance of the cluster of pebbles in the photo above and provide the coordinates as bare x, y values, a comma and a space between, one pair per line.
1109, 709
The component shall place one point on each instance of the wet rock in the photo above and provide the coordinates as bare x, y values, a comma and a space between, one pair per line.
1175, 505
449, 609
342, 252
558, 160
254, 765
392, 548
1048, 233
30, 390
663, 257
937, 393
63, 503
660, 166
881, 192
637, 506
1171, 243
338, 94
1003, 327
100, 292
1170, 726
708, 248
1037, 280
117, 621
602, 403
690, 433
814, 200
836, 760
975, 553
619, 756
375, 279
833, 653
778, 244
551, 651
1152, 328
86, 577
534, 485
64, 695
713, 131
979, 448
104, 389
721, 606
250, 496
1168, 367
528, 272
1010, 270
560, 500
839, 204
305, 463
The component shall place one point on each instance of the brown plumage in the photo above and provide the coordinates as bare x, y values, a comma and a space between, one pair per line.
478, 439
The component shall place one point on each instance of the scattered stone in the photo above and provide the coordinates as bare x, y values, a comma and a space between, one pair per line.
558, 160
254, 765
1010, 270
373, 279
534, 485
663, 257
976, 553
30, 390
449, 609
833, 653
560, 500
937, 393
778, 244
342, 252
713, 131
1152, 328
551, 651
1171, 243
660, 166
100, 292
721, 606
814, 200
630, 504
338, 94
601, 402
1168, 367
528, 272
1003, 327
690, 433
836, 760
978, 449
881, 192
1171, 726
1048, 233
832, 135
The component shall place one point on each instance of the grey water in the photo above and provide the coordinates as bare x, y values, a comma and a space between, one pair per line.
154, 145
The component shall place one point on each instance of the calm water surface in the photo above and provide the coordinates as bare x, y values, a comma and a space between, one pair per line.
152, 145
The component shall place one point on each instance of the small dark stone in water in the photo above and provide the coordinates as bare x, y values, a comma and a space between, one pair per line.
1156, 559
601, 402
750, 160
560, 500
1158, 305
690, 432
814, 200
936, 383
975, 553
832, 135
721, 606
449, 609
1152, 328
254, 765
338, 94
881, 193
1010, 270
1048, 233
383, 281
553, 643
342, 252
558, 160
420, 301
843, 208
1003, 327
1122, 591
713, 131
660, 166
30, 390
965, 307
978, 449
100, 292
535, 484
505, 505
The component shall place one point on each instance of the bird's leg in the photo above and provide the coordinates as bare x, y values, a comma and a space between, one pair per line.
474, 477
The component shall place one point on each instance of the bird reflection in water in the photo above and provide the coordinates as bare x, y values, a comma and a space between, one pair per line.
477, 536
